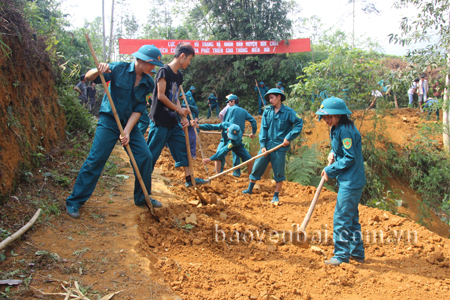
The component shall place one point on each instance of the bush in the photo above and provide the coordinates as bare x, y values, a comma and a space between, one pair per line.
77, 116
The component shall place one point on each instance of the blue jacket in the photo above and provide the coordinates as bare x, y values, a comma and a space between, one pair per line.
275, 127
221, 126
263, 91
349, 166
237, 115
190, 99
127, 98
212, 100
227, 147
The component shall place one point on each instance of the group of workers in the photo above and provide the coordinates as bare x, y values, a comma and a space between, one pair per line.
421, 87
130, 83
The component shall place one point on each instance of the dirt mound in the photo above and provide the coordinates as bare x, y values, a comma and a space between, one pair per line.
243, 248
31, 120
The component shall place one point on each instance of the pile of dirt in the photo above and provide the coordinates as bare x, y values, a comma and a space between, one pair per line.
31, 120
237, 247
244, 248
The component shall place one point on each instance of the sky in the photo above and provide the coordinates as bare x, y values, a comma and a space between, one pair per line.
332, 13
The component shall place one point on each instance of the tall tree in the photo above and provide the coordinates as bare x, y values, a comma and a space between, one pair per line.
104, 34
367, 7
432, 25
111, 32
244, 19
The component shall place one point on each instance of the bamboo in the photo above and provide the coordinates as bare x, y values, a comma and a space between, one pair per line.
21, 231
127, 147
246, 162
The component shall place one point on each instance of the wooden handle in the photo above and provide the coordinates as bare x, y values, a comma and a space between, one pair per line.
246, 162
313, 204
195, 129
127, 147
191, 163
217, 132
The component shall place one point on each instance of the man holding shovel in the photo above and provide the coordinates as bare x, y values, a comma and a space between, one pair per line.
237, 115
279, 125
164, 125
261, 90
212, 103
130, 83
348, 169
234, 135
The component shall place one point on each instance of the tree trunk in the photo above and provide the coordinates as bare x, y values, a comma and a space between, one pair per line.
111, 32
395, 101
104, 38
353, 36
445, 111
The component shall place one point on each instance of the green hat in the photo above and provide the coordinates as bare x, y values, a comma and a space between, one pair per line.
232, 97
261, 83
192, 88
332, 106
276, 92
150, 54
279, 83
212, 95
234, 132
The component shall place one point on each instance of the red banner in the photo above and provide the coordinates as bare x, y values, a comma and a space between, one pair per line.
167, 47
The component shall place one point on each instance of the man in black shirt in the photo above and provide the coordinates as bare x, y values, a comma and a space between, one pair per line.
91, 91
164, 125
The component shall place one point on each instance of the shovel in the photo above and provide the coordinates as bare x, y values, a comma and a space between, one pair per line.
127, 147
246, 162
217, 132
262, 99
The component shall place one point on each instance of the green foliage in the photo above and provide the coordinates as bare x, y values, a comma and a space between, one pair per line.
445, 207
303, 164
390, 201
429, 168
349, 74
236, 74
4, 233
77, 116
243, 19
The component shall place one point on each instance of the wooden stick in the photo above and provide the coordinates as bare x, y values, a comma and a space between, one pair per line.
217, 132
127, 147
313, 204
191, 164
246, 162
21, 231
195, 130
